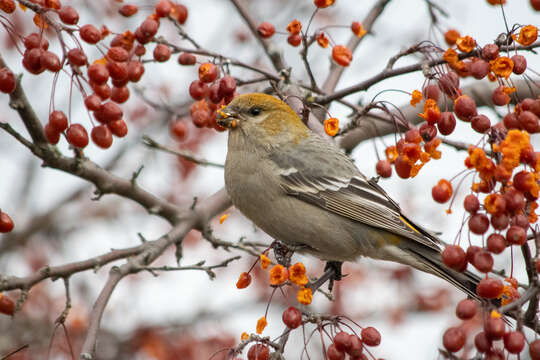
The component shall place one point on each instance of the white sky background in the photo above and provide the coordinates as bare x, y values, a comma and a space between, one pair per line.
178, 296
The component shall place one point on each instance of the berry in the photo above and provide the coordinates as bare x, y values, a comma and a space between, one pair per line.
479, 69
496, 243
118, 71
471, 252
494, 328
6, 224
482, 343
187, 59
128, 10
490, 52
180, 13
179, 129
58, 120
227, 86
213, 93
534, 349
466, 309
7, 81
198, 90
489, 288
383, 168
453, 339
478, 223
500, 221
342, 55
208, 72
51, 134
68, 15
342, 341
471, 204
428, 132
32, 61
514, 342
135, 71
92, 102
149, 28
483, 261
266, 30
516, 235
110, 112
449, 83
7, 306
120, 94
334, 354
90, 33
480, 123
529, 121
356, 346
431, 91
163, 8
7, 6
515, 200
102, 136
454, 257
447, 123
117, 53
162, 53
442, 192
77, 57
77, 136
292, 317
98, 73
370, 336
465, 108
520, 64
118, 128
258, 352
50, 61
35, 40
294, 39
403, 168
243, 281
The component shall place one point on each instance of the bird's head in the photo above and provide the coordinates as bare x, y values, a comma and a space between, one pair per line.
262, 116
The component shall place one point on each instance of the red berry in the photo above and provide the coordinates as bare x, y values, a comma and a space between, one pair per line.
58, 120
511, 121
6, 224
494, 328
403, 168
135, 71
466, 309
447, 123
454, 339
163, 8
258, 352
341, 54
162, 53
51, 134
489, 288
515, 200
520, 64
149, 28
478, 223
179, 129
35, 40
208, 72
479, 69
120, 94
529, 121
68, 15
213, 93
292, 317
7, 306
471, 204
77, 136
431, 91
198, 90
483, 261
454, 257
90, 33
449, 83
490, 52
118, 71
128, 10
118, 53
480, 123
32, 61
496, 243
428, 132
334, 354
110, 111
356, 346
465, 108
471, 252
98, 73
180, 13
7, 6
383, 168
118, 128
187, 59
516, 235
227, 85
342, 341
514, 342
77, 57
499, 97
7, 81
500, 221
92, 102
482, 343
102, 136
534, 347
50, 61
294, 39
370, 336
442, 192
266, 30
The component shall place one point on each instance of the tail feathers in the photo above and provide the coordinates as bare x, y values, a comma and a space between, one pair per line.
465, 281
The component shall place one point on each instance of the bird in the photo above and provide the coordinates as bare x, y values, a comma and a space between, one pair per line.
306, 192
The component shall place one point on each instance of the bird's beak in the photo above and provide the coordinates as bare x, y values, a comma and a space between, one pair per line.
227, 118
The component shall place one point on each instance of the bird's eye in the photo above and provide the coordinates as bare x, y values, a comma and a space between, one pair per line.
255, 111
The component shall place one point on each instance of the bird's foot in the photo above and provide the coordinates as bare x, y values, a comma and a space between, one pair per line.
334, 269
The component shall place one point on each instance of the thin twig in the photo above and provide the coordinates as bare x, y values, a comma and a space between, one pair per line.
188, 155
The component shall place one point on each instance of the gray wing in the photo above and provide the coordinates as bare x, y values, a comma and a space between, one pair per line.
346, 192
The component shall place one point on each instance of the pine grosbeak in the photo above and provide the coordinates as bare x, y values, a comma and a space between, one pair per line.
303, 190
